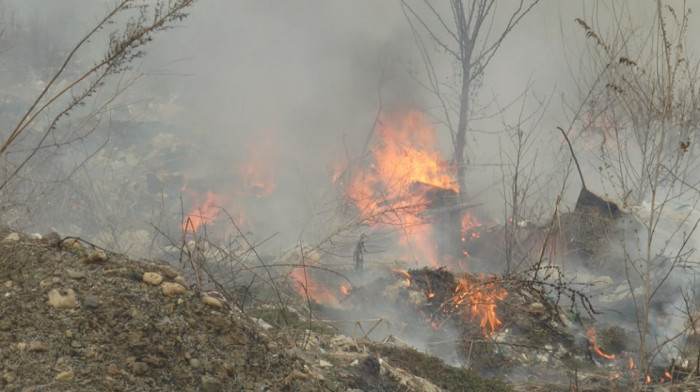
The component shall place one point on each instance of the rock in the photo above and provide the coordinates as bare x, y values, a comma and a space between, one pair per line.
52, 238
171, 289
195, 363
21, 346
67, 375
92, 301
12, 237
168, 271
9, 377
112, 369
536, 306
75, 274
9, 284
139, 368
72, 243
211, 301
37, 346
152, 278
265, 326
97, 256
324, 364
57, 300
210, 384
179, 279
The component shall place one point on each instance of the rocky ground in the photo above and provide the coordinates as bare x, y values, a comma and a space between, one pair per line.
76, 318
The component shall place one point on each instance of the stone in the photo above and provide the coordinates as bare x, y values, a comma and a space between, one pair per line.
168, 271
152, 278
91, 301
73, 274
72, 243
181, 280
21, 346
210, 384
112, 369
171, 289
324, 364
12, 237
536, 306
57, 300
139, 368
37, 346
195, 363
213, 302
97, 256
67, 375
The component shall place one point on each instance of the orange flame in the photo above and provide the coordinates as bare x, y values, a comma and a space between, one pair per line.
631, 363
205, 212
594, 341
648, 378
403, 273
668, 375
307, 286
344, 289
257, 171
479, 299
395, 189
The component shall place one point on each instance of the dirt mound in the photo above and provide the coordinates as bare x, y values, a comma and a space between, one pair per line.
77, 318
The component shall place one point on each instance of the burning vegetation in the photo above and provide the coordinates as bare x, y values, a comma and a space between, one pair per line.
407, 203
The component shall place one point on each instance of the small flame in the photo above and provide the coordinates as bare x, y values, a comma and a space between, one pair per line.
631, 363
205, 211
648, 378
480, 299
307, 286
403, 273
344, 289
257, 171
668, 375
594, 341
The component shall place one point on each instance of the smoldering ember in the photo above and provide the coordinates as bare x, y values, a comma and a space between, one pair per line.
375, 196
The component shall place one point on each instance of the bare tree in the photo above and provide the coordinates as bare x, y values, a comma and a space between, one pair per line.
644, 114
466, 34
77, 84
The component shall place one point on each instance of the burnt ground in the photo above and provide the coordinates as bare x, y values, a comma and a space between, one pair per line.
74, 318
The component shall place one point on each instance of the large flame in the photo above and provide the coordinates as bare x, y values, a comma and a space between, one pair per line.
394, 189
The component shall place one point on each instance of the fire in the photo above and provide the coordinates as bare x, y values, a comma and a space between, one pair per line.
344, 289
257, 171
668, 375
594, 341
205, 212
479, 300
397, 187
307, 287
404, 274
631, 363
